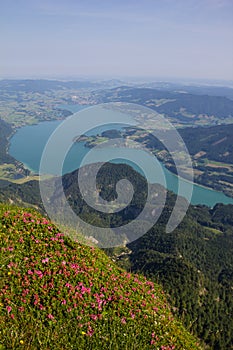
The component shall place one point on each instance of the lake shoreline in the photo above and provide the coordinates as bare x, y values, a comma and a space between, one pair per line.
206, 198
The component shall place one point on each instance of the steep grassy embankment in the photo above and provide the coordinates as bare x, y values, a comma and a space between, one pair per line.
58, 294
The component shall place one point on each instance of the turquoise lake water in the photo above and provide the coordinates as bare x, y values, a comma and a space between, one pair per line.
28, 143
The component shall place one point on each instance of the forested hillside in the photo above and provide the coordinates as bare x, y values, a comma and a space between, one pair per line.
215, 141
194, 263
184, 107
5, 132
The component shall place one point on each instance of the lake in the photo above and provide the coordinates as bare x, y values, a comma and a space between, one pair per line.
27, 145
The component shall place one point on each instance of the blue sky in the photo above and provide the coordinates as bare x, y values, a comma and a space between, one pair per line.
115, 38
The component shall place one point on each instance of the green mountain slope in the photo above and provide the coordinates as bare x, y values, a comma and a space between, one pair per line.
194, 263
185, 108
215, 141
195, 266
58, 294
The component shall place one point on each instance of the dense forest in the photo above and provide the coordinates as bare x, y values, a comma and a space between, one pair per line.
215, 141
8, 164
194, 264
5, 132
177, 102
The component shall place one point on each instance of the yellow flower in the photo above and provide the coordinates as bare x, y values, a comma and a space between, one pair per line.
1, 304
9, 273
83, 333
21, 342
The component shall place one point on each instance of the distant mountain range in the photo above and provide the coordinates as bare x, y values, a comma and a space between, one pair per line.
43, 85
186, 108
196, 89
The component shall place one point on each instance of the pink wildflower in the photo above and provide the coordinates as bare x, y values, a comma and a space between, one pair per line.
39, 273
50, 316
94, 317
123, 320
90, 332
10, 265
8, 308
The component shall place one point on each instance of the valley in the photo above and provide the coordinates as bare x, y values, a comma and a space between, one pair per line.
193, 264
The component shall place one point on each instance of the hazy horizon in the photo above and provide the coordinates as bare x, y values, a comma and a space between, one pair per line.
162, 40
